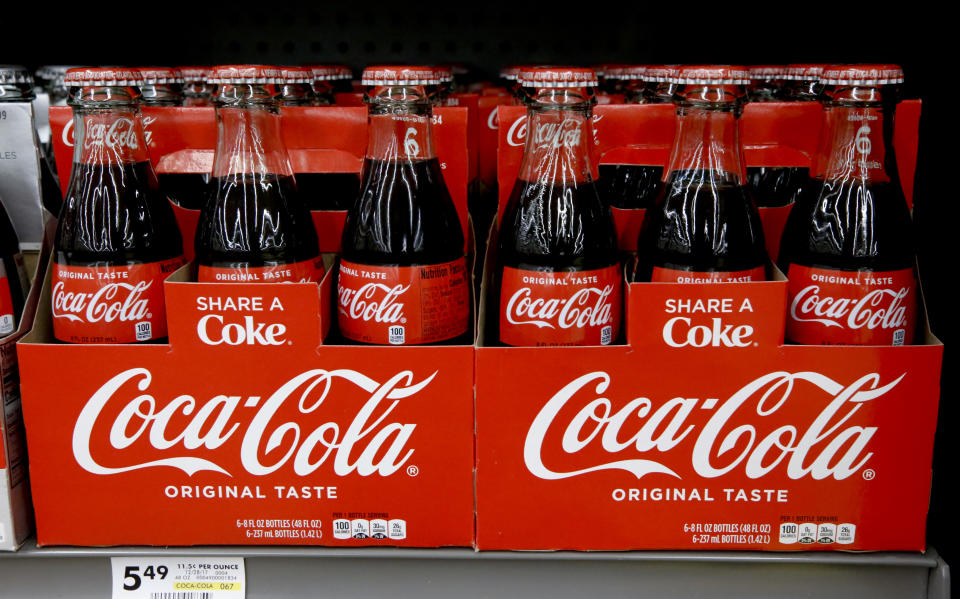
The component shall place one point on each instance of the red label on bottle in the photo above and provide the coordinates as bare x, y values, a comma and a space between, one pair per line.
7, 320
306, 271
560, 308
403, 305
110, 304
673, 275
839, 307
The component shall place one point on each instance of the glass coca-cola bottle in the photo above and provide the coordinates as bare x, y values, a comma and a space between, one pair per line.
632, 185
847, 247
558, 278
197, 91
802, 82
766, 83
658, 84
774, 185
116, 239
162, 86
253, 228
324, 77
403, 277
704, 227
296, 88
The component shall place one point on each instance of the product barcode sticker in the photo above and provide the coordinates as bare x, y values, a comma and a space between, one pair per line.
198, 577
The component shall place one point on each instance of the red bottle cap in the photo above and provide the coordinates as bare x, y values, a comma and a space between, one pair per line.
323, 72
767, 71
711, 75
160, 75
344, 72
233, 74
96, 76
862, 74
630, 72
296, 74
443, 73
557, 77
399, 75
659, 73
509, 73
194, 73
804, 72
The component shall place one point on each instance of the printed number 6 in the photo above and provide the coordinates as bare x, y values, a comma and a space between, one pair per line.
863, 142
410, 145
131, 572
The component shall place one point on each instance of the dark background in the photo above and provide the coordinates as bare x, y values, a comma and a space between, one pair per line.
495, 33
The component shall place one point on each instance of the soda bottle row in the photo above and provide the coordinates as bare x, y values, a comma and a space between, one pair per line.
558, 278
403, 276
846, 250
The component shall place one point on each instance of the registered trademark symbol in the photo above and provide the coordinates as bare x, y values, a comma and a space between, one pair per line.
869, 474
412, 471
289, 342
755, 344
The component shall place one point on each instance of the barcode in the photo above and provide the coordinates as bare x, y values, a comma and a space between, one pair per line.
184, 595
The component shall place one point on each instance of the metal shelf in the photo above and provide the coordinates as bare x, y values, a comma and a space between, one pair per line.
295, 572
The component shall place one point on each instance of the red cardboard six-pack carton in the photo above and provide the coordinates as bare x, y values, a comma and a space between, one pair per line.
245, 428
704, 430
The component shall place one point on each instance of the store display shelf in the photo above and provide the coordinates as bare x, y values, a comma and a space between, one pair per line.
295, 572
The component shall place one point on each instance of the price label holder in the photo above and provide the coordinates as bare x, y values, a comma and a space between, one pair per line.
178, 578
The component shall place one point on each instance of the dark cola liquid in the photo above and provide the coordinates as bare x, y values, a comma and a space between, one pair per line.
630, 185
403, 217
848, 225
703, 221
115, 215
328, 191
254, 220
773, 186
556, 227
187, 190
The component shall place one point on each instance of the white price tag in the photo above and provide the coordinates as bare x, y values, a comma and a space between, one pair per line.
197, 577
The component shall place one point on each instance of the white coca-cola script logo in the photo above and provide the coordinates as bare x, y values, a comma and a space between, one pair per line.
373, 301
67, 135
565, 134
517, 132
587, 307
882, 308
493, 121
115, 301
828, 446
369, 444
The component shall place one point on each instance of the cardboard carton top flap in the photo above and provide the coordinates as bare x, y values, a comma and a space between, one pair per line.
720, 315
224, 317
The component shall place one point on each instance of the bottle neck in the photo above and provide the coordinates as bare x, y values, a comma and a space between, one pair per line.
168, 94
249, 141
708, 136
557, 147
10, 92
108, 135
399, 124
858, 140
